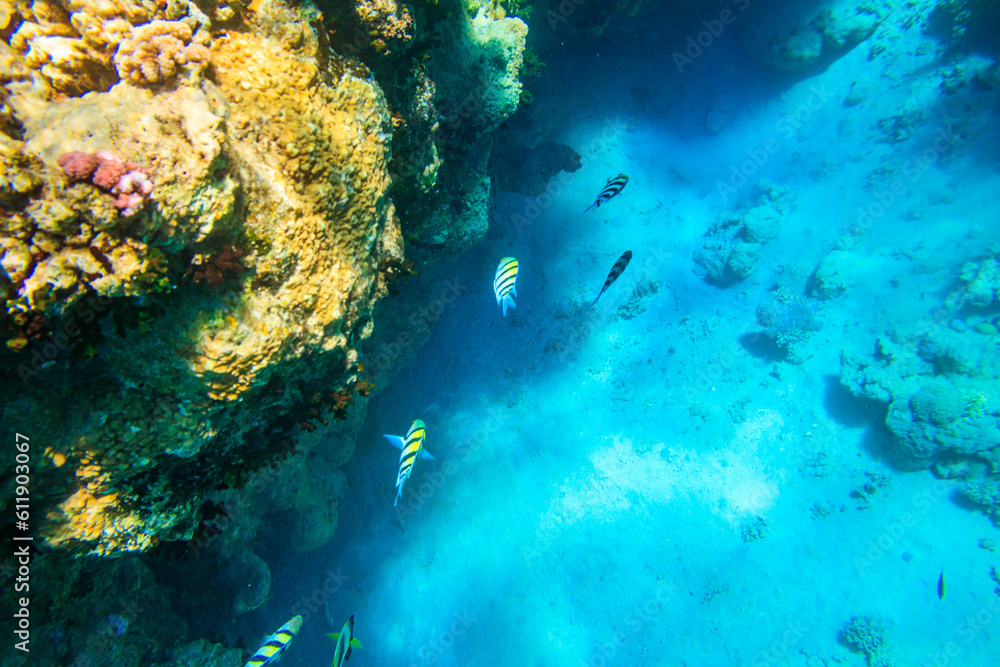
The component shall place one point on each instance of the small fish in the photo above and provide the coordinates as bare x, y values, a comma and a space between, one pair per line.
412, 447
345, 642
613, 187
941, 586
503, 283
616, 271
270, 652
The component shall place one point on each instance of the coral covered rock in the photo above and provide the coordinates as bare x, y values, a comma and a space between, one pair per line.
477, 85
834, 275
733, 245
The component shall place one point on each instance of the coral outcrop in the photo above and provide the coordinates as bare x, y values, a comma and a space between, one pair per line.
475, 74
937, 379
733, 244
199, 219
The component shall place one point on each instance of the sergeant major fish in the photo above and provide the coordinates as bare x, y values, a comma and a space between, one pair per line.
504, 283
412, 446
613, 187
616, 271
270, 652
345, 642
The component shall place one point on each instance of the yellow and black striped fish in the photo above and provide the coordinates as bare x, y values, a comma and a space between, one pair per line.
271, 650
412, 446
613, 187
503, 283
616, 271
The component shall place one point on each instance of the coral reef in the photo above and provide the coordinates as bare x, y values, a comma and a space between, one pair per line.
936, 380
259, 253
867, 635
834, 275
790, 325
966, 24
734, 243
516, 168
199, 217
475, 73
156, 52
128, 181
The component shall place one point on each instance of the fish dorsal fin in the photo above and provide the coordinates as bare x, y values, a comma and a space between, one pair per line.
395, 441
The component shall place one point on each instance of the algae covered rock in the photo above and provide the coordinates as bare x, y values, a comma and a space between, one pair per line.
475, 74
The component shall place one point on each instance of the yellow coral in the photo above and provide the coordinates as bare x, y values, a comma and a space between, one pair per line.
156, 52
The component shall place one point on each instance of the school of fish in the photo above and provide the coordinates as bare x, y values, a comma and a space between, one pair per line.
411, 448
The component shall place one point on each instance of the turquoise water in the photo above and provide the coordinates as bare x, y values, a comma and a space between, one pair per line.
774, 440
661, 480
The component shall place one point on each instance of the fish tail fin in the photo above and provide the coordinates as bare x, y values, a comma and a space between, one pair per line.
508, 301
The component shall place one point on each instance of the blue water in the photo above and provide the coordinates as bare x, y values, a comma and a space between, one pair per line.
670, 489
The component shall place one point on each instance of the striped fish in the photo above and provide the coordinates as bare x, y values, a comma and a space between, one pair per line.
345, 642
613, 187
616, 271
271, 650
503, 283
412, 446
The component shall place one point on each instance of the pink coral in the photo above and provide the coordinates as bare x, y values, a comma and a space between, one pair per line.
128, 181
108, 173
79, 166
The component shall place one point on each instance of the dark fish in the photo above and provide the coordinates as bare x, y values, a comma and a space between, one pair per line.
616, 271
613, 187
941, 586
